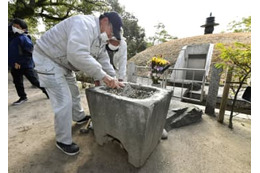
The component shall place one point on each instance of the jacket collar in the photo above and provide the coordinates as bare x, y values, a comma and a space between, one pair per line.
98, 26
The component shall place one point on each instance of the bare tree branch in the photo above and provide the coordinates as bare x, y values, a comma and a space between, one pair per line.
52, 17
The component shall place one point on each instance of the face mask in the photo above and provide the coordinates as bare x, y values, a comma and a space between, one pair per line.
112, 47
19, 31
104, 37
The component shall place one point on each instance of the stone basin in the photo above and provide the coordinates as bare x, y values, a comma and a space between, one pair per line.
136, 123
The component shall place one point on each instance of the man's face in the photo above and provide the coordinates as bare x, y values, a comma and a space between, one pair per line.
106, 26
17, 26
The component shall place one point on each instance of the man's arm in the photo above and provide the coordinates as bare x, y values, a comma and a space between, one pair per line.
26, 43
104, 60
80, 37
122, 60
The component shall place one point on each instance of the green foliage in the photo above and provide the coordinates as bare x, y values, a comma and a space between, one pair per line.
133, 33
51, 11
115, 6
237, 57
240, 26
161, 35
11, 10
32, 27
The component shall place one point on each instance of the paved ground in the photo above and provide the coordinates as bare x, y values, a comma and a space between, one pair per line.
206, 146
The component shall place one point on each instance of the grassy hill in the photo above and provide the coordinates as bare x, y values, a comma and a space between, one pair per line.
170, 50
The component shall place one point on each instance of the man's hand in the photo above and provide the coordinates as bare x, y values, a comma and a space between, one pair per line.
97, 83
17, 66
112, 83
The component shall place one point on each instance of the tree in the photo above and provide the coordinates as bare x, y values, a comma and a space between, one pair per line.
133, 33
237, 58
161, 35
54, 10
240, 26
51, 11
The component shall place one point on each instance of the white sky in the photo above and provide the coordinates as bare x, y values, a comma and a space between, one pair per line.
183, 18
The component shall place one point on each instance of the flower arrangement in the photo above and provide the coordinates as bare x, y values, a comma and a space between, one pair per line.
158, 65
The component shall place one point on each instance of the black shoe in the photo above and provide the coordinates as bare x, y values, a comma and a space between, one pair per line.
164, 134
71, 149
20, 101
85, 119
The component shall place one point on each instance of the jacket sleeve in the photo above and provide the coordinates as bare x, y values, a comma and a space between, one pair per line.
26, 43
104, 60
122, 60
80, 37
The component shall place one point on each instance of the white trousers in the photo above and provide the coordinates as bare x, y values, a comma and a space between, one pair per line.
63, 91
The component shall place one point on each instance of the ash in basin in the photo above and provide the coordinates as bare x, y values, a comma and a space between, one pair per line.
132, 92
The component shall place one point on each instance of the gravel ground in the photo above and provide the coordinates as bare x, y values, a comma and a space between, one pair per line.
204, 147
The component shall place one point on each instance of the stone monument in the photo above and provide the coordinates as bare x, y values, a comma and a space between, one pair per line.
136, 123
209, 26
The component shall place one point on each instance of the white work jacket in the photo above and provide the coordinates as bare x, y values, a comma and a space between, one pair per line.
120, 60
76, 45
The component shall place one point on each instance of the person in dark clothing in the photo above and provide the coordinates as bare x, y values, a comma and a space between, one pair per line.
20, 60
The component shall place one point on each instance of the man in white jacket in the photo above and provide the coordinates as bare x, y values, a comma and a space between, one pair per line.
117, 51
77, 43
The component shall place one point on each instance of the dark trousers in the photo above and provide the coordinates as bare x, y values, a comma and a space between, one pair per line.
30, 74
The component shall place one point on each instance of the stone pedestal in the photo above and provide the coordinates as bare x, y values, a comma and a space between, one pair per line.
213, 91
136, 123
131, 70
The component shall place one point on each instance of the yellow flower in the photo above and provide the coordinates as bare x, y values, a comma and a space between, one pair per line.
158, 61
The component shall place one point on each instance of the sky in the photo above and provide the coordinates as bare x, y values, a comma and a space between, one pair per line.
183, 18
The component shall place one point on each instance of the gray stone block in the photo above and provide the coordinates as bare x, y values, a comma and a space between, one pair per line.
136, 123
183, 117
213, 91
